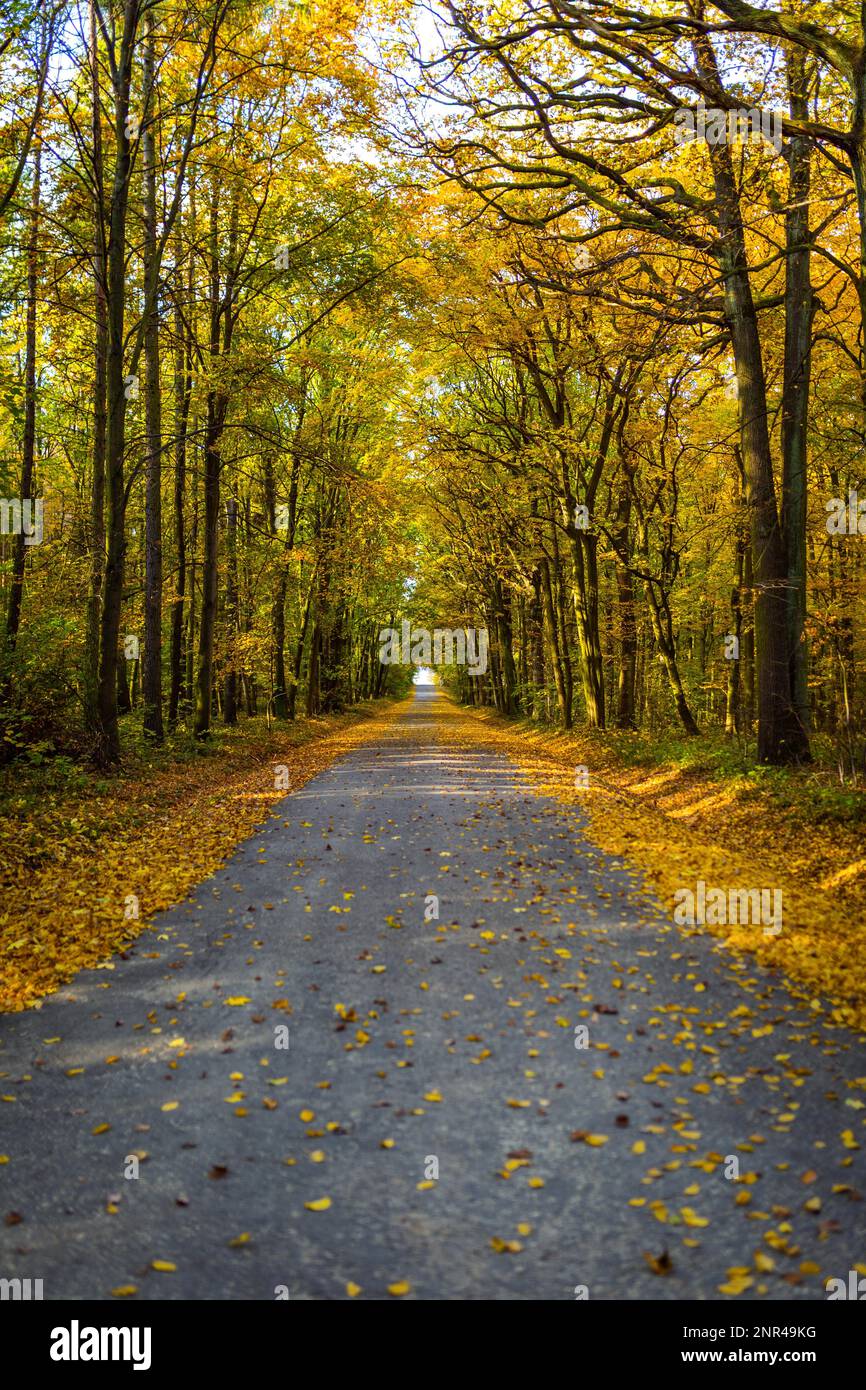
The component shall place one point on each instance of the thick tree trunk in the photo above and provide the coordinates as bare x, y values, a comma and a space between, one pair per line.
781, 736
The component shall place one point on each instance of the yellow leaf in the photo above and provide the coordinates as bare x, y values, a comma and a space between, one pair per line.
737, 1283
691, 1217
321, 1204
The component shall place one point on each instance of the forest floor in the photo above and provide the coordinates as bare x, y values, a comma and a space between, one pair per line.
87, 859
420, 1037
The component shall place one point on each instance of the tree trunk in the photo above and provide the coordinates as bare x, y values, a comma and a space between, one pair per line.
151, 666
781, 736
28, 458
182, 393
100, 356
625, 695
733, 720
212, 471
230, 689
553, 635
662, 625
313, 672
221, 324
795, 390
108, 735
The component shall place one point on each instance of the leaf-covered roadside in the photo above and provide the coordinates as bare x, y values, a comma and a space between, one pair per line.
75, 856
680, 827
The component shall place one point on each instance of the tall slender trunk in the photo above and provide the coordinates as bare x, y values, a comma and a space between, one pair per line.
191, 617
182, 392
108, 736
795, 389
100, 356
312, 706
230, 688
505, 636
207, 627
625, 698
733, 715
585, 592
562, 694
221, 324
535, 624
299, 654
28, 456
151, 666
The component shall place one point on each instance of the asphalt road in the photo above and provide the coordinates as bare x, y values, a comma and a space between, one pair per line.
420, 1045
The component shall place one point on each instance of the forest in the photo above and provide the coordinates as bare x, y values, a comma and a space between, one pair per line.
433, 657
316, 316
